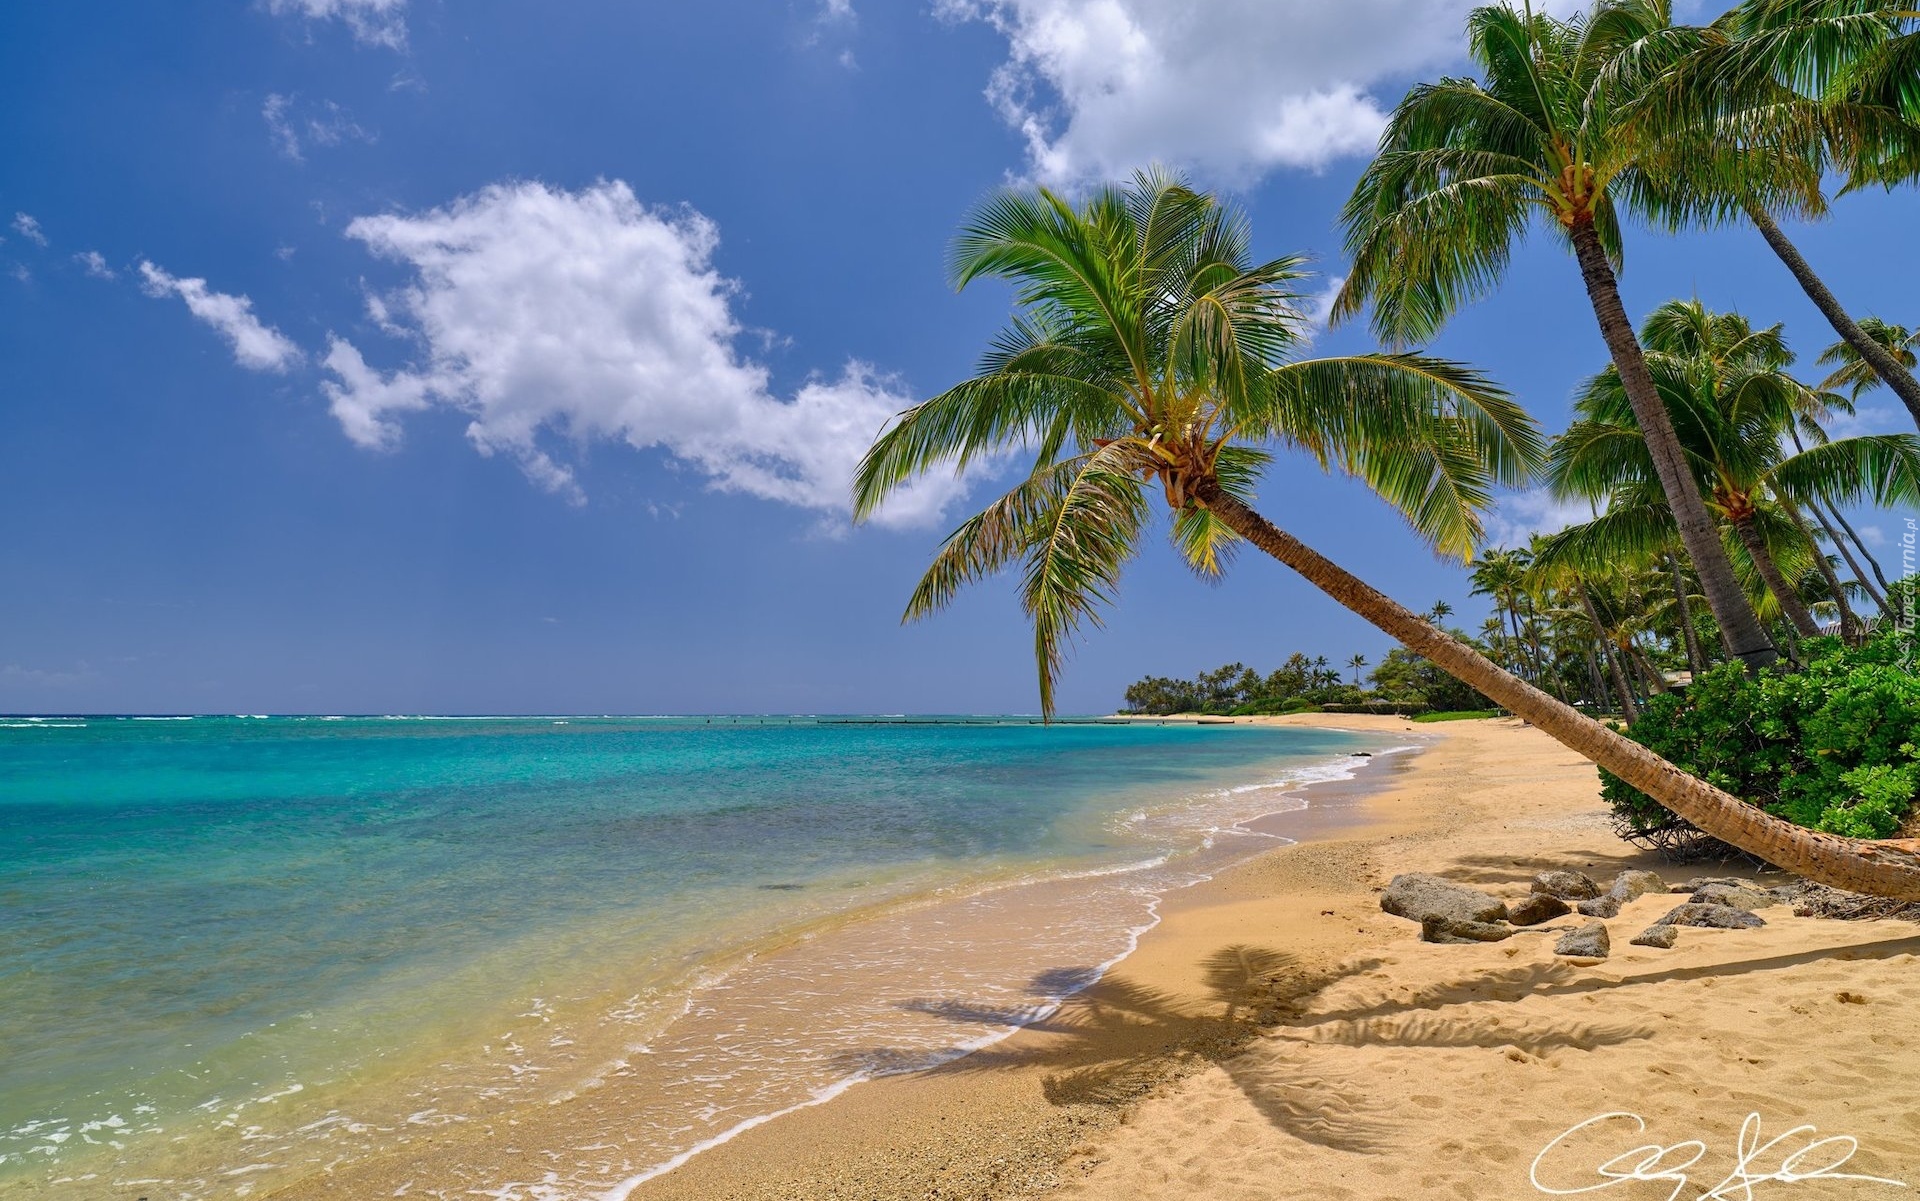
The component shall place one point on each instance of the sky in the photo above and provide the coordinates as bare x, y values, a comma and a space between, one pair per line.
408, 356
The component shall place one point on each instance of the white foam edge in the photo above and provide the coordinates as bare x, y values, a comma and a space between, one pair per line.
1040, 1013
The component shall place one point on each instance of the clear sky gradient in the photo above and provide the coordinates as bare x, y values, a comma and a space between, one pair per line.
411, 356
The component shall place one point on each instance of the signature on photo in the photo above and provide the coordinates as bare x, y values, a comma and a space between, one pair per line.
1755, 1162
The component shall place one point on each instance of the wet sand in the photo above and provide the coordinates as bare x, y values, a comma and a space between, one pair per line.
1277, 1036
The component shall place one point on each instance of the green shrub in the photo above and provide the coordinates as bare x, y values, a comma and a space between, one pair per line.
1834, 746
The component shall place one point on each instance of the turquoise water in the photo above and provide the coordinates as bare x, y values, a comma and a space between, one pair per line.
217, 931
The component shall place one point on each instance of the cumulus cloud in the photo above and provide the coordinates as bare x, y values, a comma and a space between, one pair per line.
1230, 88
95, 264
256, 345
374, 22
29, 229
1518, 516
551, 316
323, 124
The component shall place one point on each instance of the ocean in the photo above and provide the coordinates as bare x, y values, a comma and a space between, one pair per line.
236, 952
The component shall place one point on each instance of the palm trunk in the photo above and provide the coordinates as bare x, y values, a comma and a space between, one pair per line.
1853, 565
1888, 868
1596, 687
1696, 661
1849, 624
1884, 364
1519, 647
1730, 606
1885, 588
1785, 593
1656, 683
1839, 544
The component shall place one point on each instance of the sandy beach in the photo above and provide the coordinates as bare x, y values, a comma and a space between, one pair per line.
1278, 1036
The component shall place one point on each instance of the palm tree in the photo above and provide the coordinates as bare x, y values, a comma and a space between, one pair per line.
1357, 662
1801, 87
1465, 166
1852, 371
1497, 574
1151, 352
1440, 612
1730, 398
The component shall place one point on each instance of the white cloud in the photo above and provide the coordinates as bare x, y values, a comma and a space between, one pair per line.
1868, 417
29, 229
256, 345
95, 264
375, 22
1229, 88
1517, 516
588, 316
1322, 310
325, 124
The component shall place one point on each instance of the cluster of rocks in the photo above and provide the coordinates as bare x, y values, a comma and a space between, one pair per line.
1451, 912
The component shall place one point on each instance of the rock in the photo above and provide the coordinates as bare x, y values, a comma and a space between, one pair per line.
1657, 936
1736, 896
1536, 907
1700, 882
1588, 942
1600, 907
1712, 917
1566, 886
1435, 928
1418, 896
1630, 886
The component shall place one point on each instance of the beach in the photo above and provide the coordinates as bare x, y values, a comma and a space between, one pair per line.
1278, 1036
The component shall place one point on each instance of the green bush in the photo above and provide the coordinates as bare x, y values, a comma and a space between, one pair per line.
1834, 746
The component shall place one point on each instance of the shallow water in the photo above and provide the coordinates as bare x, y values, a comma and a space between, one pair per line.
234, 952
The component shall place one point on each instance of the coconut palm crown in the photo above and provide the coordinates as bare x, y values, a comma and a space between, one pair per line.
1151, 349
1730, 395
1152, 352
1467, 166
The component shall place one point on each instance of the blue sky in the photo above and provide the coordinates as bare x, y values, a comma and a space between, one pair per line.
397, 355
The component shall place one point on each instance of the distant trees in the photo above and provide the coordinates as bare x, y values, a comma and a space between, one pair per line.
1403, 681
1298, 683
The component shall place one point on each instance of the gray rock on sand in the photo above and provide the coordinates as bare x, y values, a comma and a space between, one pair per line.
1434, 928
1735, 895
1699, 882
1630, 886
1536, 907
1418, 896
1608, 906
1566, 886
1712, 917
1657, 936
1588, 942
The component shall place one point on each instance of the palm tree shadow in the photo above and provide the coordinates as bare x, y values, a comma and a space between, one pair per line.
1120, 1040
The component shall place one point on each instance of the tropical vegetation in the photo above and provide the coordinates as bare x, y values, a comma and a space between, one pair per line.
1152, 358
1834, 746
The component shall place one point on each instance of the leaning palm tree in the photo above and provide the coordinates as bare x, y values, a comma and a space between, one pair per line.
1807, 88
1152, 357
1730, 398
1465, 166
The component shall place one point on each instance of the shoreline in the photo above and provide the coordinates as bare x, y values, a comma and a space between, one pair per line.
1334, 804
1276, 1036
1053, 930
